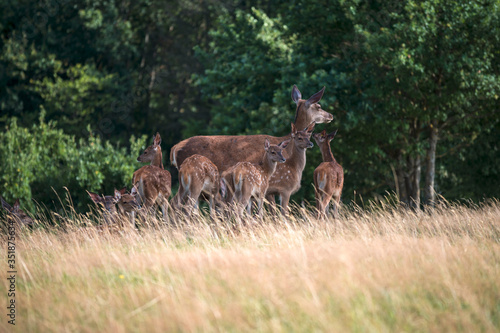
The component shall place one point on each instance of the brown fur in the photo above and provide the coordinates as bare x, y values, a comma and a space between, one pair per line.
286, 180
328, 176
153, 183
127, 205
16, 213
246, 180
197, 175
247, 148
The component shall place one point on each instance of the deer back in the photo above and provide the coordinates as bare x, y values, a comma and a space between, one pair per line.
199, 171
329, 178
226, 151
152, 181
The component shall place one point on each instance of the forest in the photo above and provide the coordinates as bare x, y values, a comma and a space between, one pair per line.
413, 87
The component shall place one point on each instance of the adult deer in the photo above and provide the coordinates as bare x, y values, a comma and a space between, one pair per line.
152, 181
328, 176
127, 204
225, 151
286, 179
17, 214
246, 180
197, 176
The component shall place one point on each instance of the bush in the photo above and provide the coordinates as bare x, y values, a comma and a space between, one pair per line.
39, 162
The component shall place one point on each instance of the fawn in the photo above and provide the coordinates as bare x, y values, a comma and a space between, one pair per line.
17, 214
286, 180
246, 180
127, 204
197, 176
328, 176
152, 181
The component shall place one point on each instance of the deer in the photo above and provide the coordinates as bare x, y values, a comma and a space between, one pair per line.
127, 204
286, 179
328, 176
246, 180
227, 150
17, 214
153, 182
197, 176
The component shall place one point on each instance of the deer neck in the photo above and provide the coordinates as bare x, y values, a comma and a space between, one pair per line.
301, 118
267, 165
157, 160
326, 152
297, 156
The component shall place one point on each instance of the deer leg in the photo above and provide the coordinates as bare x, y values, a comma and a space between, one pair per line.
285, 199
132, 219
260, 202
319, 207
272, 203
249, 207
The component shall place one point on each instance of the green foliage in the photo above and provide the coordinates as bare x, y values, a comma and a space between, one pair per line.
42, 159
393, 71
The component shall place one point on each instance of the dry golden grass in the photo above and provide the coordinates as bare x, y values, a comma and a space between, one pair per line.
377, 270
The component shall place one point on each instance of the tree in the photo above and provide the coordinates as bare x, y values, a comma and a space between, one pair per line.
434, 70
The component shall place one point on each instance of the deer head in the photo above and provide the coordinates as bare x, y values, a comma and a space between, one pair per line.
322, 137
108, 202
310, 109
127, 202
152, 152
301, 138
17, 213
274, 152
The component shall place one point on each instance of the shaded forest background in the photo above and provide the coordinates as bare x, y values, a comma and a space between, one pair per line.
413, 85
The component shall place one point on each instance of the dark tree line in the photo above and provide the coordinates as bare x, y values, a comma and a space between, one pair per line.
413, 86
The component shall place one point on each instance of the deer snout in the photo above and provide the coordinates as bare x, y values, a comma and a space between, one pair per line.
135, 204
310, 144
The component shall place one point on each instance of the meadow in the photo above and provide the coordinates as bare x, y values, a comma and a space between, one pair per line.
374, 269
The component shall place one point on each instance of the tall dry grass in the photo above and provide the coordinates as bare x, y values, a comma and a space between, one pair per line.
378, 269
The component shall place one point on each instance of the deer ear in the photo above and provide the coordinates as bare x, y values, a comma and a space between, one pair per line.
315, 98
157, 139
296, 95
267, 144
118, 194
5, 205
133, 191
294, 130
310, 128
332, 135
95, 197
123, 191
283, 144
16, 204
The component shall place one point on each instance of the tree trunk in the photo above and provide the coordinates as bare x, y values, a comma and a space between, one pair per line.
429, 193
401, 179
415, 172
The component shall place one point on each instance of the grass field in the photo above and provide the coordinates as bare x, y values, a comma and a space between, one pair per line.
376, 270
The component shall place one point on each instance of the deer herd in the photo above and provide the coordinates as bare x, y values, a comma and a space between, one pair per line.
229, 170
